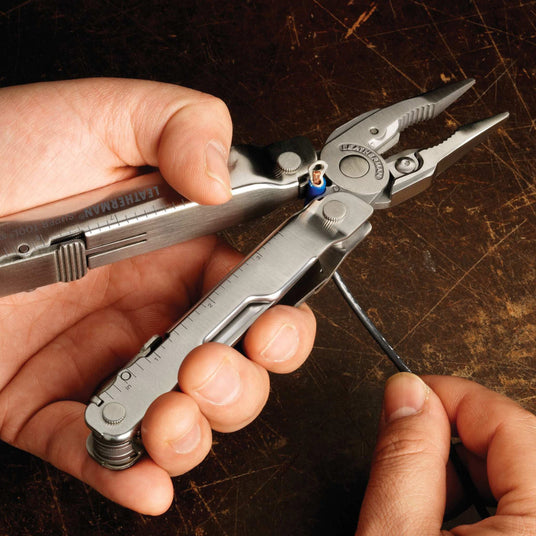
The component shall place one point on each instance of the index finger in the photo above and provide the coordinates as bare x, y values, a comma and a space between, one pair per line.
497, 429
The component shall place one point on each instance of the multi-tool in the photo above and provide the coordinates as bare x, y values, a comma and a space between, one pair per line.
342, 186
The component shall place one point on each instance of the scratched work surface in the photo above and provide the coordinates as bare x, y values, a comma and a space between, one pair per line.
449, 276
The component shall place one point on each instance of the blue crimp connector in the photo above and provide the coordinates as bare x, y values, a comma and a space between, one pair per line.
316, 185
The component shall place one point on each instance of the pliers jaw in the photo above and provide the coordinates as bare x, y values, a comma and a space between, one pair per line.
353, 151
412, 171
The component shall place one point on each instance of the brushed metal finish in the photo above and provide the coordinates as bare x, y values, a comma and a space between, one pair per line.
293, 263
60, 241
312, 247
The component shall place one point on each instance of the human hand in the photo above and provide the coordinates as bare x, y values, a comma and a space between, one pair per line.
411, 483
59, 342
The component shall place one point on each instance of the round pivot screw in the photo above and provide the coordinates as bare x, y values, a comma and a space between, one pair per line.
354, 166
114, 412
405, 164
334, 211
289, 162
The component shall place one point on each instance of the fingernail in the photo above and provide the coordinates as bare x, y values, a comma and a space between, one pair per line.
223, 386
405, 395
188, 442
283, 345
216, 165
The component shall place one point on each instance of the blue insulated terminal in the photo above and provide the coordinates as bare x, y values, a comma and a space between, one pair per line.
316, 185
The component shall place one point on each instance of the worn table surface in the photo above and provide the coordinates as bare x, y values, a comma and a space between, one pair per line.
449, 276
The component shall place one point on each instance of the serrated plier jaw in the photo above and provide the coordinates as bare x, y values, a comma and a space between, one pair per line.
354, 151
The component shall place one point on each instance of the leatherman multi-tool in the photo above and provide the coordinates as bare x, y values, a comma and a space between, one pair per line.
342, 185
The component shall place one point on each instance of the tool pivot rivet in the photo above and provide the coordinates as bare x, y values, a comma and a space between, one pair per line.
334, 211
354, 166
405, 165
114, 412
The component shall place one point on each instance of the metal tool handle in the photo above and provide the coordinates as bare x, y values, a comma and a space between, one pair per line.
62, 240
294, 262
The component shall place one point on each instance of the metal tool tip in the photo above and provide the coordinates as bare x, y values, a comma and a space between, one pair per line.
444, 96
461, 84
502, 117
462, 141
457, 89
469, 82
487, 124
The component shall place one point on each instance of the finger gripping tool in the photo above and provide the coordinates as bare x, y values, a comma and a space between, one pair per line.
342, 184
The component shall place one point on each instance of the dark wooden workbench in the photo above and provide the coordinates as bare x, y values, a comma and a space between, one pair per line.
448, 276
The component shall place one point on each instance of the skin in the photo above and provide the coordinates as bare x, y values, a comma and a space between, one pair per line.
59, 342
412, 483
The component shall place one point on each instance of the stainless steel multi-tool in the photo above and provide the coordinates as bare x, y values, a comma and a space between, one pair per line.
342, 185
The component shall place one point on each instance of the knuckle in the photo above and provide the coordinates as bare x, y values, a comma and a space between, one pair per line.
215, 105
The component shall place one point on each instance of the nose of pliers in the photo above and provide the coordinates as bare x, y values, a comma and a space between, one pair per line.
353, 151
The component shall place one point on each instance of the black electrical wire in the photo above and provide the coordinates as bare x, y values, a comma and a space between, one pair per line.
369, 325
391, 353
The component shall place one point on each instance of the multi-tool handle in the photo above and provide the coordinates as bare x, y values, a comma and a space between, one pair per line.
62, 240
290, 265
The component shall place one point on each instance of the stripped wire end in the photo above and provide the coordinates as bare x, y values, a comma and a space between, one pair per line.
316, 185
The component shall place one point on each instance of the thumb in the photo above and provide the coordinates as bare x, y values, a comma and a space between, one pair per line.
406, 492
194, 149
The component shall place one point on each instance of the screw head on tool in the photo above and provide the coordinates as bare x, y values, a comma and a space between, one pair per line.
289, 162
114, 412
405, 165
334, 210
